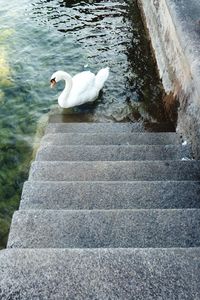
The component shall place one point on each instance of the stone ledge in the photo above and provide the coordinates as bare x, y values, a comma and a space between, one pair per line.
174, 27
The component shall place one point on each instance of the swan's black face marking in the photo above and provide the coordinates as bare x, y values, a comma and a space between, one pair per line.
53, 82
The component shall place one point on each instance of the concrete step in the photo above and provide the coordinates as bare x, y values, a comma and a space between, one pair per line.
90, 118
94, 127
115, 171
164, 138
110, 195
100, 274
110, 153
105, 228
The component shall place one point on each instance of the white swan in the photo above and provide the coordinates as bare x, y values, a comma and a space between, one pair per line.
83, 87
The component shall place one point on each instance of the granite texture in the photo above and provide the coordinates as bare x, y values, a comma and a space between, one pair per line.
94, 127
110, 195
110, 153
62, 118
99, 228
111, 138
105, 228
115, 171
130, 274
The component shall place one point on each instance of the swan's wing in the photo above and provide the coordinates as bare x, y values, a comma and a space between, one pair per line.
83, 89
83, 82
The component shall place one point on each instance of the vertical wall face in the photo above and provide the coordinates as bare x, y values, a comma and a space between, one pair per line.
174, 28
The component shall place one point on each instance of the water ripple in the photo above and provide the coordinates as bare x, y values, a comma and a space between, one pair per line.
110, 33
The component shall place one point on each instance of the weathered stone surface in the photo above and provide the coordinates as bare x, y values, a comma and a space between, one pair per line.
94, 127
115, 171
110, 195
112, 139
108, 152
85, 213
129, 274
82, 118
174, 27
105, 228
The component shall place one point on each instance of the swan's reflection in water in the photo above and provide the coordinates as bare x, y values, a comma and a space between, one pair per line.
109, 33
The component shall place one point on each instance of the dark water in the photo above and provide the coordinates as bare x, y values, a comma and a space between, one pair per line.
38, 37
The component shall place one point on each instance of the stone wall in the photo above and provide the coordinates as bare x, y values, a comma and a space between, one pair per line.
174, 28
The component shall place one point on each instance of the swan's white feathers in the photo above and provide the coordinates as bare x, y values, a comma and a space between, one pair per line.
85, 87
82, 88
101, 77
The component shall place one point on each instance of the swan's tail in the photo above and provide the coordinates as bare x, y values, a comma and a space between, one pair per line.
101, 78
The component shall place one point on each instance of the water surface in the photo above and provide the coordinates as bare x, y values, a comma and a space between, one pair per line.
38, 37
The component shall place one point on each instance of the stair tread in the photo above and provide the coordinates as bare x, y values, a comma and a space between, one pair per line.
111, 152
93, 127
155, 228
110, 195
100, 274
115, 170
111, 138
81, 118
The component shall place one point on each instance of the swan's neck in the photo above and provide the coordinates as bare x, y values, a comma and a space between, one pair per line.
65, 93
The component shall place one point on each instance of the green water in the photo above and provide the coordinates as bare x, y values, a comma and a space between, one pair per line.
38, 37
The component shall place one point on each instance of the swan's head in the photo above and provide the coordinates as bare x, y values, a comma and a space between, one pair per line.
57, 76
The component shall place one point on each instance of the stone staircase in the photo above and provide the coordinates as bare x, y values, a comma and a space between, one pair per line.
108, 212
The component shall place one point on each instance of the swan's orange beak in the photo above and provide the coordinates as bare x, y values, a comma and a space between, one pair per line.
53, 82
